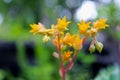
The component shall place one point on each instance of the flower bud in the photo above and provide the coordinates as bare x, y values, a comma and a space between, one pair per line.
46, 38
99, 46
55, 54
92, 48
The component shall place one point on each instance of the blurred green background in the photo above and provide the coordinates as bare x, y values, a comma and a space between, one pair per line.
25, 57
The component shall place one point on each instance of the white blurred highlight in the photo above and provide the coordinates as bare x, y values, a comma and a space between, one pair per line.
87, 11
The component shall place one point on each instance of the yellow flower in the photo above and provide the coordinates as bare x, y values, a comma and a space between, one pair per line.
57, 42
83, 27
100, 24
36, 28
39, 28
93, 32
66, 55
62, 24
68, 39
55, 28
77, 43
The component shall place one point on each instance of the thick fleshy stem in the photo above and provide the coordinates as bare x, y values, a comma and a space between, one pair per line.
95, 40
72, 61
84, 39
62, 69
70, 65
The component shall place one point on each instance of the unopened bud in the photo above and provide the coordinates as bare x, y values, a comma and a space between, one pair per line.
99, 46
46, 38
55, 54
92, 48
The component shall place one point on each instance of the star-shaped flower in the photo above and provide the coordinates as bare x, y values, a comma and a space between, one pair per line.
77, 43
68, 39
83, 27
62, 24
36, 28
66, 55
100, 24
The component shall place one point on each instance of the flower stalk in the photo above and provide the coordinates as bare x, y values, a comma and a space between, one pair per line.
62, 70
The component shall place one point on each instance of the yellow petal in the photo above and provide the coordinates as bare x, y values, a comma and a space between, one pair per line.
66, 55
62, 24
100, 24
68, 39
77, 43
36, 28
83, 27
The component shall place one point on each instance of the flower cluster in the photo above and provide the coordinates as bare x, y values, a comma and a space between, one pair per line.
63, 40
59, 37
